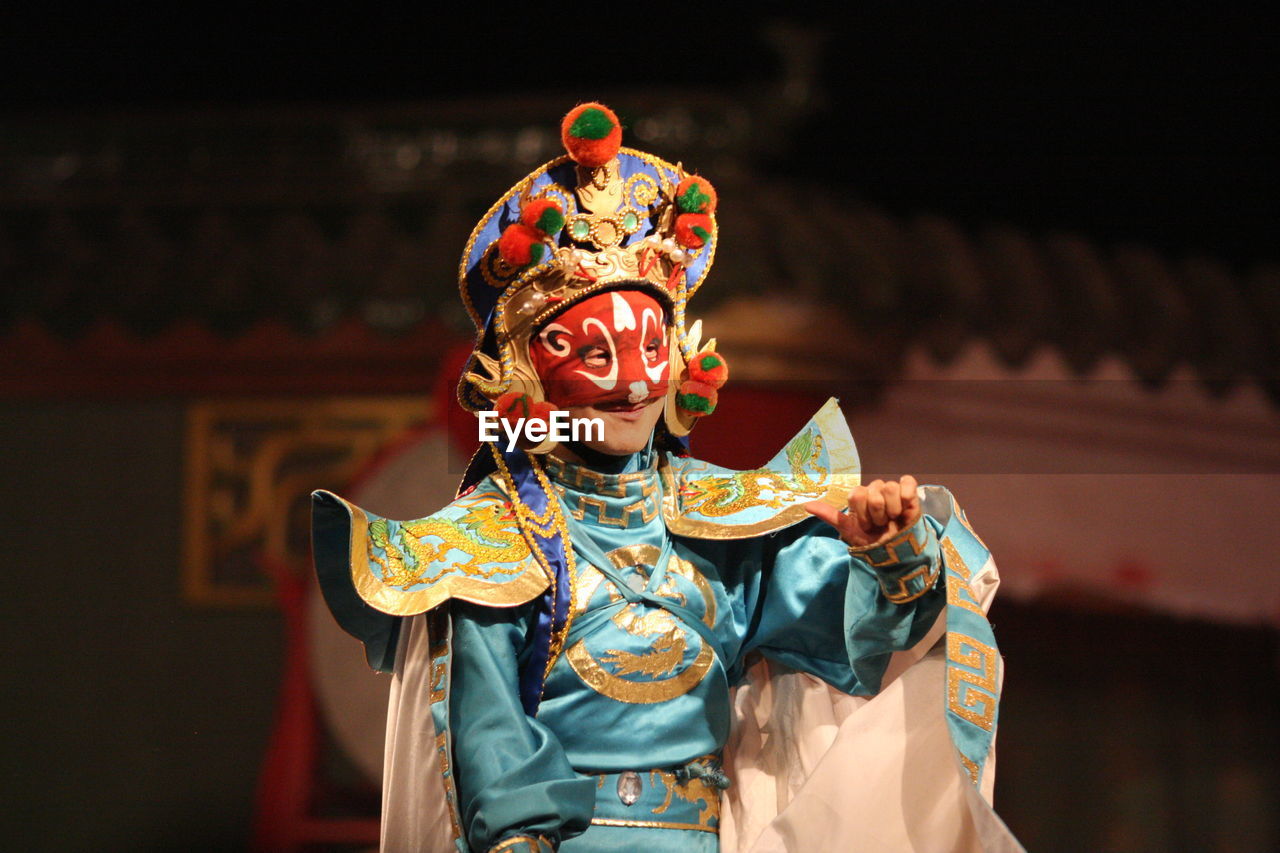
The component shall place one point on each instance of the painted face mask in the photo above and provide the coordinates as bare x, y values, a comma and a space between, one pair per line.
610, 348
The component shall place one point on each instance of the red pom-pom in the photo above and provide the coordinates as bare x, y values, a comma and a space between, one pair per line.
544, 214
591, 134
521, 245
709, 368
696, 398
696, 195
541, 412
693, 230
513, 405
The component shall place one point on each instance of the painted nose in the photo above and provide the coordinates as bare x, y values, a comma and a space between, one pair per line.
639, 392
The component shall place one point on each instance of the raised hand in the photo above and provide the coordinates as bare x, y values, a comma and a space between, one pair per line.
876, 513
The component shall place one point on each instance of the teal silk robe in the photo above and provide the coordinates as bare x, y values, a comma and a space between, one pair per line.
703, 568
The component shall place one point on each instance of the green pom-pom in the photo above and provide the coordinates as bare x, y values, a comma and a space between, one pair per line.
695, 403
592, 124
703, 234
710, 362
536, 252
693, 200
551, 221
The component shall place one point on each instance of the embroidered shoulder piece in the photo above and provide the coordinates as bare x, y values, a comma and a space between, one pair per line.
705, 501
472, 550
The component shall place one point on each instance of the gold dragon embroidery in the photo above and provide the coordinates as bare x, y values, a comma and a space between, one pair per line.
662, 659
664, 654
720, 496
484, 540
693, 791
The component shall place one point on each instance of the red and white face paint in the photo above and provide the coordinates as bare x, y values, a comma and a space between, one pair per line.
607, 349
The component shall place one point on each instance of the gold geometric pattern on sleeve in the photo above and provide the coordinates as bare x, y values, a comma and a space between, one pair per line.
903, 593
970, 767
890, 548
971, 695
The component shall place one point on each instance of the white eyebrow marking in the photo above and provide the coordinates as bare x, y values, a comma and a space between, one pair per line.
655, 372
561, 347
623, 317
610, 379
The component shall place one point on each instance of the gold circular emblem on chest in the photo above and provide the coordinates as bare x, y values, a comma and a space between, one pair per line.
650, 668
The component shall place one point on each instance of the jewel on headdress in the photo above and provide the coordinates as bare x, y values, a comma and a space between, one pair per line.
591, 134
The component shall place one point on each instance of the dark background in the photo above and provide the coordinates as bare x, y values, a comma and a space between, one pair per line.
1156, 125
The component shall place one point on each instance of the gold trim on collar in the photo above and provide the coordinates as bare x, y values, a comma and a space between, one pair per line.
579, 476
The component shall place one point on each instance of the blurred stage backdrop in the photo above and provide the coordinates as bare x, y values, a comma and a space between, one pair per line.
1050, 285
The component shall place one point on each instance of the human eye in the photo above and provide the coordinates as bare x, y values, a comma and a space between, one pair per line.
594, 356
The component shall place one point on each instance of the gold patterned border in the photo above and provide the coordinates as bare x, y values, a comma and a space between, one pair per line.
903, 594
842, 456
953, 559
525, 587
971, 695
906, 535
960, 594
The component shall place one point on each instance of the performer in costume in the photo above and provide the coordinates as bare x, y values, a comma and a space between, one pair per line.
565, 636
